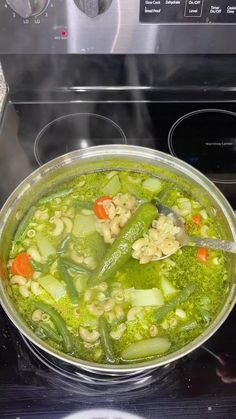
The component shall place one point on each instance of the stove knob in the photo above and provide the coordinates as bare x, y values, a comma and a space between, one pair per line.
92, 8
27, 8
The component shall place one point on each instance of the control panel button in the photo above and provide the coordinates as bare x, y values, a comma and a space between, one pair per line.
215, 10
193, 8
28, 8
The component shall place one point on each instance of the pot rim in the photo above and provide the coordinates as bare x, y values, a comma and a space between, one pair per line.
129, 152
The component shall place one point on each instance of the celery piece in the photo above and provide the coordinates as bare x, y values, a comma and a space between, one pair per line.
95, 246
167, 288
45, 246
54, 287
80, 282
184, 204
152, 184
145, 348
150, 297
204, 215
113, 186
84, 225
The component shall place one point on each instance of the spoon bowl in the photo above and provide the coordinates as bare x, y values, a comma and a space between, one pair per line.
185, 240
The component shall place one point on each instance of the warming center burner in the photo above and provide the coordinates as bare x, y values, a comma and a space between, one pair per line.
206, 139
73, 132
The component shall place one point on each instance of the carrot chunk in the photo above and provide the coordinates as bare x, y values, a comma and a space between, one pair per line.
99, 209
202, 254
197, 219
21, 265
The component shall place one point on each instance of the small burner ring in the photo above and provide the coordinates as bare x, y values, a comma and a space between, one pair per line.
75, 131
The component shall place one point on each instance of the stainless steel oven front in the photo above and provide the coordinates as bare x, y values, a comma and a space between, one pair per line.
118, 26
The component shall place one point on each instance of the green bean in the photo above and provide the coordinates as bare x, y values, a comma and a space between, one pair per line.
70, 286
58, 322
63, 245
21, 230
105, 341
40, 267
84, 205
120, 251
180, 298
59, 194
75, 267
48, 332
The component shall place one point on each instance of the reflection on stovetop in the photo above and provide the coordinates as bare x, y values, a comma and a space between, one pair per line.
34, 133
196, 386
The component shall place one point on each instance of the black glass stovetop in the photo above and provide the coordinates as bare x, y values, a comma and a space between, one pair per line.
203, 384
203, 134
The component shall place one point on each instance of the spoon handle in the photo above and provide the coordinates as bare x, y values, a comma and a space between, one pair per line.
225, 245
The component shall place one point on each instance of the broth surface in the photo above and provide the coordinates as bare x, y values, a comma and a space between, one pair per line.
139, 311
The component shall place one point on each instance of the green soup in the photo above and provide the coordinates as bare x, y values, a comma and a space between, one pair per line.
79, 284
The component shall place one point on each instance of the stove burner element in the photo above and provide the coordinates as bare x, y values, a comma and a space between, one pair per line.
206, 139
73, 132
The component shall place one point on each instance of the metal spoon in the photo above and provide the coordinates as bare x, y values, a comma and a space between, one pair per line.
185, 240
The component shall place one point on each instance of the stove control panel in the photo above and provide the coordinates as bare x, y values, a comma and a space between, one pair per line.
117, 27
188, 11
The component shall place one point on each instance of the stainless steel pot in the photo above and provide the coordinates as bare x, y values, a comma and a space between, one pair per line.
105, 158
